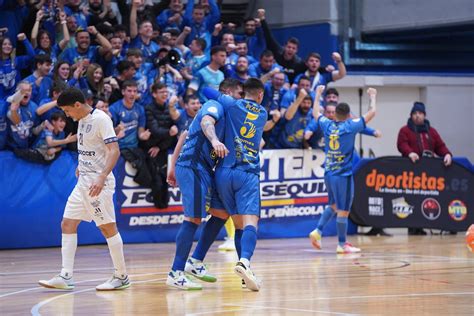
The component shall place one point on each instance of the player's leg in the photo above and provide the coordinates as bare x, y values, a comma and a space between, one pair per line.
195, 265
74, 213
316, 235
247, 198
344, 192
193, 191
239, 230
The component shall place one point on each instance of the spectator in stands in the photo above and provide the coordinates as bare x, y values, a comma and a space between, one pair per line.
49, 143
61, 72
241, 70
285, 56
101, 12
135, 55
84, 49
73, 8
265, 68
295, 120
10, 64
194, 57
3, 124
39, 79
21, 117
171, 17
47, 106
313, 62
141, 35
163, 137
242, 50
274, 91
126, 71
418, 139
184, 117
201, 25
209, 76
253, 37
290, 96
41, 39
95, 81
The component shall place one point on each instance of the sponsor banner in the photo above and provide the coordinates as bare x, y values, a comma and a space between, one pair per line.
394, 192
293, 196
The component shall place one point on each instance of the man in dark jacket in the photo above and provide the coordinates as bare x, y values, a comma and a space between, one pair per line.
163, 137
417, 139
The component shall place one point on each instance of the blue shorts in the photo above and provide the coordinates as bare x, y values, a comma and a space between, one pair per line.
197, 191
239, 191
340, 191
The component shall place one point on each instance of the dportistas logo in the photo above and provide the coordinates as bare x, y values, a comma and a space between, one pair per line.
405, 180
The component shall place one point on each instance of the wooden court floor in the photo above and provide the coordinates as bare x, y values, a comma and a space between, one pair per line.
400, 275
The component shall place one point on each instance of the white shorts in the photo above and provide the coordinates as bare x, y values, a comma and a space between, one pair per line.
85, 208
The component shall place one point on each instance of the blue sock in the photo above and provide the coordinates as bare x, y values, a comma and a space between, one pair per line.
249, 241
327, 215
184, 242
238, 241
341, 223
208, 235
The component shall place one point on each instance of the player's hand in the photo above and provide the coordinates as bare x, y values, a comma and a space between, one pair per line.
77, 172
173, 130
377, 133
447, 160
219, 148
70, 138
372, 92
414, 157
97, 186
153, 151
145, 135
336, 57
171, 178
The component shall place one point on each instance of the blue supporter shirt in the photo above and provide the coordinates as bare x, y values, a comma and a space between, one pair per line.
206, 77
184, 120
197, 152
291, 135
245, 120
339, 138
41, 140
149, 51
20, 135
132, 119
72, 56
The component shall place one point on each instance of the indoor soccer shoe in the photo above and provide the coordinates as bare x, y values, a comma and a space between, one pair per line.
114, 283
58, 282
228, 245
179, 280
198, 270
251, 281
347, 248
315, 238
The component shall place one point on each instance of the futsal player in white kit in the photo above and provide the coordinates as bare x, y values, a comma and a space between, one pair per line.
92, 197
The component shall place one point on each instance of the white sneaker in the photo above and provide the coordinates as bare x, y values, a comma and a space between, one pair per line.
228, 245
114, 283
58, 282
244, 272
347, 248
315, 237
198, 270
179, 280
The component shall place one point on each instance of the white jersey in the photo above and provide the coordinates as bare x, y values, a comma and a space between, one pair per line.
94, 132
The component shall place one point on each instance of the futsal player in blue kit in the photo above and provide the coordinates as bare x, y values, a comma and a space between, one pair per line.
339, 137
237, 175
195, 176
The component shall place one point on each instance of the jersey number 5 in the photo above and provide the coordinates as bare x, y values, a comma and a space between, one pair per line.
249, 129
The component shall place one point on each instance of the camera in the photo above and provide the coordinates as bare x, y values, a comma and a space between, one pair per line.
173, 58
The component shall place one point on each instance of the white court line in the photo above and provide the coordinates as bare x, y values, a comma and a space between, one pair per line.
35, 309
356, 297
75, 271
79, 282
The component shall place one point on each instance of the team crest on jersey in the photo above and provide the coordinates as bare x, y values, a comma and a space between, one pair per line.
88, 128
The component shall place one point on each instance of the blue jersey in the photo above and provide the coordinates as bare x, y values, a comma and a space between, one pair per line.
197, 151
206, 77
131, 119
245, 120
339, 138
290, 97
20, 135
195, 63
72, 56
184, 120
149, 51
3, 124
291, 136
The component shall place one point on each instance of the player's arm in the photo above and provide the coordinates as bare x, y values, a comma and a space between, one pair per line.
171, 178
209, 130
372, 105
319, 92
112, 155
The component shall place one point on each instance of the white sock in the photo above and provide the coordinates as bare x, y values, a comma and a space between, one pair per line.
116, 252
68, 252
245, 261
